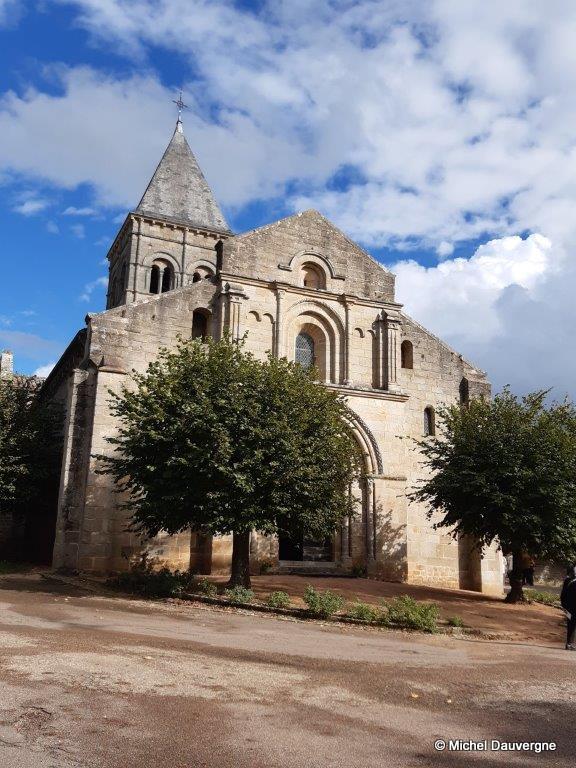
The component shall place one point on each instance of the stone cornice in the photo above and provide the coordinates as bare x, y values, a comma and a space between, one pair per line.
343, 298
373, 394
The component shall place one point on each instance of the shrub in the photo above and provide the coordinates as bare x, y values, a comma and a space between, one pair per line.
278, 600
406, 612
206, 588
322, 604
546, 598
358, 571
147, 579
363, 612
454, 621
266, 565
239, 595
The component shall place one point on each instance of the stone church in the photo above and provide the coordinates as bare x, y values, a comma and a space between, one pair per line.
297, 287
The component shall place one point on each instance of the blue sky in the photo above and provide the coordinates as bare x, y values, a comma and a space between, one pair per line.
439, 134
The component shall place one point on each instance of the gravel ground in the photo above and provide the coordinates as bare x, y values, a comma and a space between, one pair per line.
90, 680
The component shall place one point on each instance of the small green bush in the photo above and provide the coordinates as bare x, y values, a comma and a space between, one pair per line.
408, 613
266, 564
363, 612
206, 588
322, 604
546, 598
239, 595
454, 621
147, 579
358, 571
278, 600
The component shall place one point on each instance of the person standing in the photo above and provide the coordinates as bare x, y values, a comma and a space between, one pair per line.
528, 566
568, 602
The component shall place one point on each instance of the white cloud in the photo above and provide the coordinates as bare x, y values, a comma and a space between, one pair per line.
52, 227
446, 109
44, 370
509, 309
10, 11
89, 288
455, 118
31, 207
73, 211
444, 249
457, 298
29, 345
78, 230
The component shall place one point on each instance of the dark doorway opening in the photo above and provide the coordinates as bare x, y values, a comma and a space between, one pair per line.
299, 547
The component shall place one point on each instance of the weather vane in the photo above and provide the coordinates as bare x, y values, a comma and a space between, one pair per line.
180, 104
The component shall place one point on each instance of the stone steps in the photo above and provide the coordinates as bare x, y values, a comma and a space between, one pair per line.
309, 568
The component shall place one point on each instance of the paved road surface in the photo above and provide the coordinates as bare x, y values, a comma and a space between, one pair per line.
98, 681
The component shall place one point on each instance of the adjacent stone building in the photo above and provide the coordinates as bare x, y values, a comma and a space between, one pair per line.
299, 288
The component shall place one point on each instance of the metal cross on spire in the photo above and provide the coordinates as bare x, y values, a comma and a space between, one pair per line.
180, 104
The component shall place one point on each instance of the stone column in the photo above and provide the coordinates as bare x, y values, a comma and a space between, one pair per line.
379, 362
223, 304
183, 262
391, 351
135, 262
347, 340
279, 325
368, 507
235, 316
235, 295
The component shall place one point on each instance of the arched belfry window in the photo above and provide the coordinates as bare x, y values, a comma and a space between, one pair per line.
429, 425
167, 279
407, 354
154, 278
304, 350
161, 277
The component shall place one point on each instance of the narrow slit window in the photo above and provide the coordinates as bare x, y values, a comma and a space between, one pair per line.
429, 425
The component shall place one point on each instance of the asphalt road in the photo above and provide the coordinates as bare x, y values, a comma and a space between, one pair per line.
87, 680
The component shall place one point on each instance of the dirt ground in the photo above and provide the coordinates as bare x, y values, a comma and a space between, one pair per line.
532, 623
94, 681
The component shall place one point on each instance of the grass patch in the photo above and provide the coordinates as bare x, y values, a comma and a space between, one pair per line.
278, 599
454, 621
205, 587
545, 598
239, 595
408, 613
322, 603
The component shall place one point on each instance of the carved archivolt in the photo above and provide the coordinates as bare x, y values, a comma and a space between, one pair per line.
368, 443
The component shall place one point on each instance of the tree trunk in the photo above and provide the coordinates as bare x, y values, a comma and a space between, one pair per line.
240, 573
516, 594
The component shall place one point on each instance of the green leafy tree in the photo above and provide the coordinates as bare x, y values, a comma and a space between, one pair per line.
29, 453
505, 470
215, 440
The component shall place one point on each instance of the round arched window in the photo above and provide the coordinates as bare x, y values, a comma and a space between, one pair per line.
312, 276
304, 350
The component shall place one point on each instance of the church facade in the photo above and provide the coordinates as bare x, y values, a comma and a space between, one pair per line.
297, 288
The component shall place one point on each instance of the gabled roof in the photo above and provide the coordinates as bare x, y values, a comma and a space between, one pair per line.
179, 191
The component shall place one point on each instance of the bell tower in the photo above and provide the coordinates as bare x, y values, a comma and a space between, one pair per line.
172, 236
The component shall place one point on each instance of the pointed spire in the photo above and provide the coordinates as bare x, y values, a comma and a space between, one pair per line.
178, 189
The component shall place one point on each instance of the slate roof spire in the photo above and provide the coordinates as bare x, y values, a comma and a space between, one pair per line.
179, 191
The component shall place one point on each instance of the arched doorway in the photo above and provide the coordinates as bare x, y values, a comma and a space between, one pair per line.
355, 543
